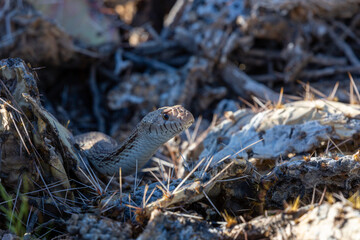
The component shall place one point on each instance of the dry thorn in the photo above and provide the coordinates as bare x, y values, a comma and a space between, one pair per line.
95, 187
341, 143
120, 183
333, 93
93, 179
11, 106
196, 129
185, 215
327, 148
253, 107
162, 169
169, 177
336, 145
313, 196
190, 173
207, 166
144, 195
217, 175
351, 97
257, 100
309, 89
162, 184
241, 150
107, 201
109, 183
166, 193
322, 196
147, 200
279, 104
48, 190
212, 204
352, 83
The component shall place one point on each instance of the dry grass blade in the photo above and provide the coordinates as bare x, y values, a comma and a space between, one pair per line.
48, 190
95, 187
18, 131
16, 198
9, 95
27, 135
187, 176
58, 183
93, 179
11, 106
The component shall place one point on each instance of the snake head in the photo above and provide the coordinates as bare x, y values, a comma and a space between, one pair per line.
167, 122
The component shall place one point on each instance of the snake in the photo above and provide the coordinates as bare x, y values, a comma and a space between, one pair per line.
107, 156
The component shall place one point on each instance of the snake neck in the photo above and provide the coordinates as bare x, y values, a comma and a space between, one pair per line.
132, 154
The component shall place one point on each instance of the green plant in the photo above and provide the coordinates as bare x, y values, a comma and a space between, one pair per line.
15, 217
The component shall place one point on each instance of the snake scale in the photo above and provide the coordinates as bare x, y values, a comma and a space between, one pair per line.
156, 128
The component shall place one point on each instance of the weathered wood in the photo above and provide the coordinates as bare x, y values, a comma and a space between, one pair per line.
242, 84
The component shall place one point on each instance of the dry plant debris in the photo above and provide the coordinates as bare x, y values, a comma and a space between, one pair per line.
213, 184
274, 171
294, 128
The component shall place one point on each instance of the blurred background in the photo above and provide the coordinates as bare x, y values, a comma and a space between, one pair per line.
102, 65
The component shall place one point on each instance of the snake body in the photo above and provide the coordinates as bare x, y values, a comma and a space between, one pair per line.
156, 128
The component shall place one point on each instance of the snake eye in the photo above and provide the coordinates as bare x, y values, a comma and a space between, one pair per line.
165, 117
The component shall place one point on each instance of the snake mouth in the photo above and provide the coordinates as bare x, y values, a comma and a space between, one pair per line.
180, 114
189, 120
